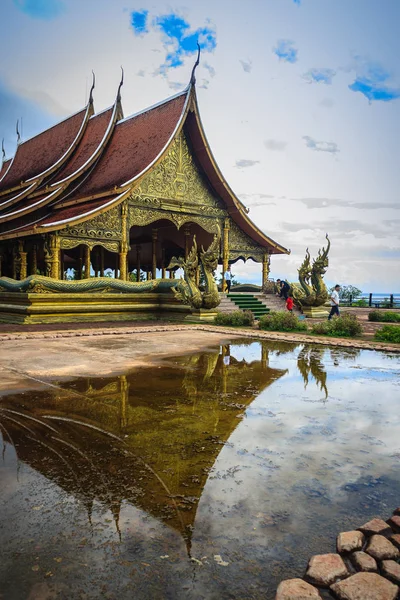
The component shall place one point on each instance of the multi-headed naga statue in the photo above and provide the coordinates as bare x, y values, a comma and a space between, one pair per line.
190, 293
311, 290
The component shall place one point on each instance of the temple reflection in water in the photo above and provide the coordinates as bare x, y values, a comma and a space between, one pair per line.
151, 437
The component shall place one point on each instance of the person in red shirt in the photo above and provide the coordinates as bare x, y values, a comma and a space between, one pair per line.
289, 304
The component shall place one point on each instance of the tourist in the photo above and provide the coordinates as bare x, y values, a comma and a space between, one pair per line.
228, 278
334, 302
289, 304
284, 288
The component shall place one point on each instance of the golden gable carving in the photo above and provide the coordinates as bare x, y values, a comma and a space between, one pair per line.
177, 177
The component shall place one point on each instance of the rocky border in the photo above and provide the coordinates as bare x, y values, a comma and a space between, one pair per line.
365, 567
236, 332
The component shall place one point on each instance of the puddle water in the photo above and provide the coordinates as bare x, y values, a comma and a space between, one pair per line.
212, 476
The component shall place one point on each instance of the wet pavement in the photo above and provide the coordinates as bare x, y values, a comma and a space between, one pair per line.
210, 475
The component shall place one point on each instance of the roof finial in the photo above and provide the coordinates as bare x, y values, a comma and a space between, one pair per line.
18, 133
193, 77
92, 88
120, 85
2, 149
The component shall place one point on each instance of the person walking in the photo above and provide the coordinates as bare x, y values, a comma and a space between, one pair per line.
335, 302
284, 289
228, 278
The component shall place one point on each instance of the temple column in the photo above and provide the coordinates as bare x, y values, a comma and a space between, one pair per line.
265, 269
34, 260
123, 271
163, 270
138, 249
80, 263
123, 253
171, 274
87, 262
186, 233
116, 266
23, 268
198, 276
149, 275
124, 401
101, 261
264, 356
16, 263
61, 264
52, 256
154, 254
225, 253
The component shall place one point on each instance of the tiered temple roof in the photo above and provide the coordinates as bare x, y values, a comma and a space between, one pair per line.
90, 162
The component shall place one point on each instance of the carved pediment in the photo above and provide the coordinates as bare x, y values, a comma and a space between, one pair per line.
177, 177
242, 244
103, 226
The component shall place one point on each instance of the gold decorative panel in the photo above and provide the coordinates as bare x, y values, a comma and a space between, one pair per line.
177, 178
104, 226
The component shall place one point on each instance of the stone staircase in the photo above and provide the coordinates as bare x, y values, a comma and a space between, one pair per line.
235, 301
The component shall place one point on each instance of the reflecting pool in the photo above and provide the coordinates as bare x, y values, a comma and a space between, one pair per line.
213, 475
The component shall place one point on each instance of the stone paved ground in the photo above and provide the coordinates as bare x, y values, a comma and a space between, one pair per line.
366, 566
59, 330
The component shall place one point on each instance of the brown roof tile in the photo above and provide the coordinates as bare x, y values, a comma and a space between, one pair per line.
42, 151
4, 167
94, 133
135, 143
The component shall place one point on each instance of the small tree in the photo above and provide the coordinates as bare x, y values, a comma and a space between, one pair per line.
347, 292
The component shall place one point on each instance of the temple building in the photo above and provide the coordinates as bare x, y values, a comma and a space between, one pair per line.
102, 191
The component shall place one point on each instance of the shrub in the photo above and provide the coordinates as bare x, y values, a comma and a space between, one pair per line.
388, 333
344, 326
321, 328
385, 317
282, 321
236, 318
374, 315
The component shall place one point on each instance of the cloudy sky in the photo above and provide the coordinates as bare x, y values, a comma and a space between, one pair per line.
300, 100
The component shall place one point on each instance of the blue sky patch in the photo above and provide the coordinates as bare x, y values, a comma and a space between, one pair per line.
139, 22
286, 51
41, 9
298, 2
372, 83
320, 76
179, 39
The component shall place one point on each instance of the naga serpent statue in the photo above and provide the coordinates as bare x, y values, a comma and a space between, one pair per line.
190, 294
311, 289
184, 289
209, 262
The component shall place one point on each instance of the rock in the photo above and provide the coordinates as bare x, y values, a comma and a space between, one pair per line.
364, 562
396, 511
395, 539
391, 569
395, 522
375, 526
347, 541
365, 586
324, 569
381, 548
296, 589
